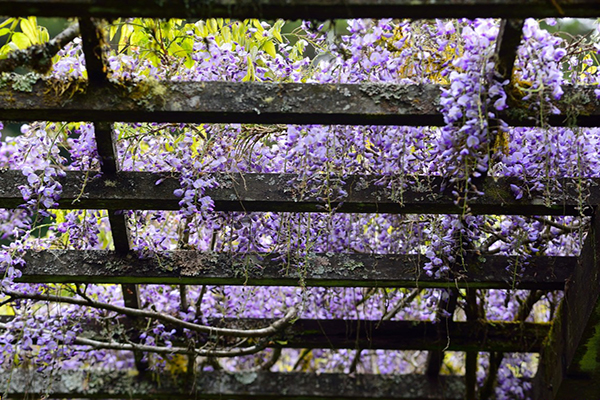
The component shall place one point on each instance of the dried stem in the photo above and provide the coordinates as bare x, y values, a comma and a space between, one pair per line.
134, 312
97, 344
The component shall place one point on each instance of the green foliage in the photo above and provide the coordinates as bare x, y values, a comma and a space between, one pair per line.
30, 33
170, 42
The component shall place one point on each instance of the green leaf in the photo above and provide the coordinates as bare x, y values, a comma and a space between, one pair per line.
29, 28
126, 31
43, 34
269, 48
6, 22
251, 74
112, 31
187, 44
189, 62
176, 50
153, 58
257, 25
212, 26
276, 30
4, 50
21, 40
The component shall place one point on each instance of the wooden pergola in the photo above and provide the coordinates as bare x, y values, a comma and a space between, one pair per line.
569, 347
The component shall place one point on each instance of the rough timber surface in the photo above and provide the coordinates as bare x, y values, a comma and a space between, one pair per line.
570, 358
224, 102
239, 386
403, 335
275, 193
263, 103
344, 270
352, 334
301, 9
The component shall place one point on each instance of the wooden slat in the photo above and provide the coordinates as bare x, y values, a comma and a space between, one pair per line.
507, 44
570, 360
346, 270
273, 192
262, 102
404, 335
220, 384
92, 38
206, 102
93, 43
302, 9
512, 337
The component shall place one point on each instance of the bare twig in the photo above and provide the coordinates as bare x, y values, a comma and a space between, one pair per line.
355, 362
401, 304
562, 227
97, 344
545, 236
266, 366
301, 357
134, 312
198, 304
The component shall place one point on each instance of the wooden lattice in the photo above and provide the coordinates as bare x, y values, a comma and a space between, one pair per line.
561, 345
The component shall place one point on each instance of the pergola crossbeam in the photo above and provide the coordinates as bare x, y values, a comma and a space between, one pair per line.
275, 193
340, 270
220, 384
262, 103
300, 9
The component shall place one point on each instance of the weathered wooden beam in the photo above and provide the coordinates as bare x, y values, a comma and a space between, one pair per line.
274, 193
492, 336
93, 42
570, 360
473, 314
403, 335
219, 384
345, 270
261, 102
206, 102
301, 9
509, 38
92, 39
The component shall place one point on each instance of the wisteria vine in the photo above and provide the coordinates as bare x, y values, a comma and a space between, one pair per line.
49, 323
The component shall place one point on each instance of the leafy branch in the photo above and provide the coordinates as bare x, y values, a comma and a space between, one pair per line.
39, 56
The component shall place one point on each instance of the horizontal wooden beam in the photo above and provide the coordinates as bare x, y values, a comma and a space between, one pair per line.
344, 270
273, 192
228, 102
301, 9
219, 384
403, 335
261, 102
486, 336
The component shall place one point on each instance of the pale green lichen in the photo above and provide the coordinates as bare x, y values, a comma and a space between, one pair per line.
21, 83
